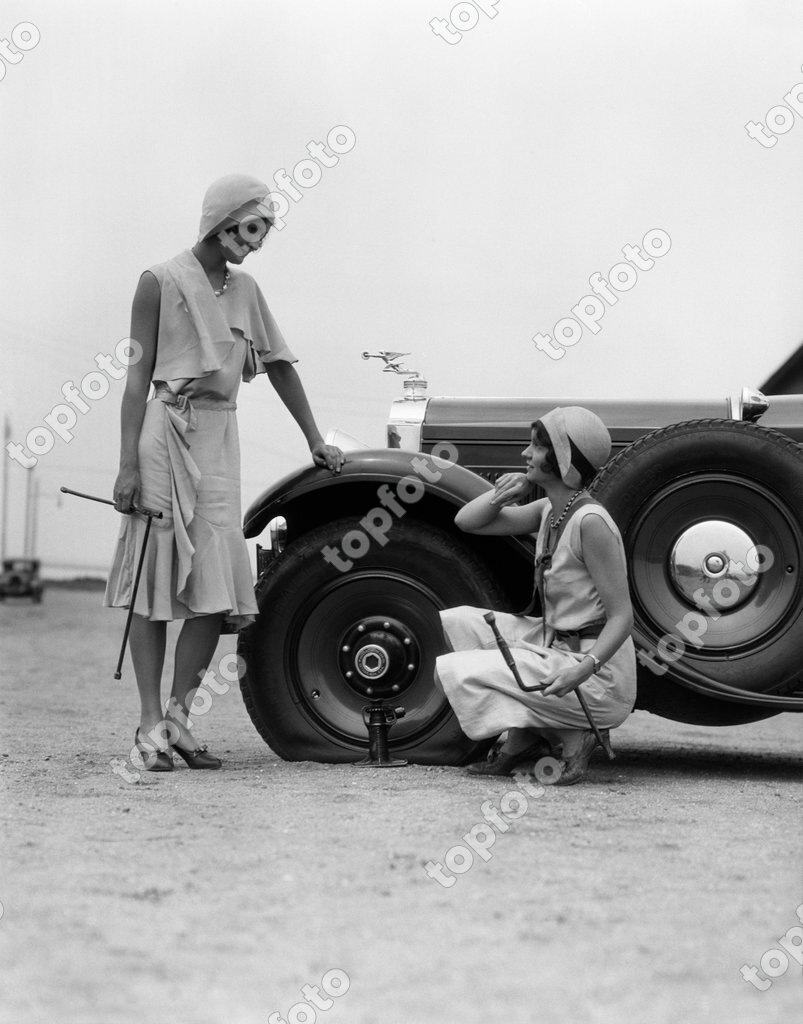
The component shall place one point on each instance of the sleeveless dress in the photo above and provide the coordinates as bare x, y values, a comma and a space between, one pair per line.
189, 456
478, 683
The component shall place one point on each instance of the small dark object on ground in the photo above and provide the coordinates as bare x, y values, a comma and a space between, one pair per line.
20, 578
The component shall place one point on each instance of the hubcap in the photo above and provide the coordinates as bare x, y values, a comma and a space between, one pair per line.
689, 558
710, 561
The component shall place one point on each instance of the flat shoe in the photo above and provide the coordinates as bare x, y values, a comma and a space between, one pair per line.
154, 760
503, 764
198, 758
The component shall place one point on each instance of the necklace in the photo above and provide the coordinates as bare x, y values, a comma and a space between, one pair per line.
226, 279
555, 523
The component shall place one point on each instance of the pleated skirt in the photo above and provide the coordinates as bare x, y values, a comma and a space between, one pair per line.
196, 561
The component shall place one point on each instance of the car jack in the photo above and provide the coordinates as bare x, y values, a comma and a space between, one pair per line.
378, 719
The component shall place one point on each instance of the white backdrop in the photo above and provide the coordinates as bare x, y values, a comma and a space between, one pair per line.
492, 175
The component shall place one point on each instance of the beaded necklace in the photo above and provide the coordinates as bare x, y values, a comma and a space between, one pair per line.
555, 523
226, 279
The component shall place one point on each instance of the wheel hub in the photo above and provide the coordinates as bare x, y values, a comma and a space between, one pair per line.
710, 561
378, 657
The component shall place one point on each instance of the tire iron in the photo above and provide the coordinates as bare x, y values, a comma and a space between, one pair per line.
510, 661
150, 516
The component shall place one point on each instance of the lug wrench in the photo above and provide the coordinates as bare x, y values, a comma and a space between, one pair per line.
501, 643
151, 515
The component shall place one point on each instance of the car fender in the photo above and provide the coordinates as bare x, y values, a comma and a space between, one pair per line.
425, 487
365, 470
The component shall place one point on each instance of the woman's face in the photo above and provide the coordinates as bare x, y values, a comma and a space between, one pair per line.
240, 240
534, 455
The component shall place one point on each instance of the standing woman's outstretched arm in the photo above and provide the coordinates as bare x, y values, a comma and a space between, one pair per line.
144, 330
289, 388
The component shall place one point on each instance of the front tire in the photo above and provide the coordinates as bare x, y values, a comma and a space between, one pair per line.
328, 642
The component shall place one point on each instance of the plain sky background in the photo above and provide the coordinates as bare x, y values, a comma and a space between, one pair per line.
489, 180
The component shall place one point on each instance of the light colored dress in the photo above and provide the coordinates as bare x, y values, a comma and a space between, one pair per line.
189, 455
480, 686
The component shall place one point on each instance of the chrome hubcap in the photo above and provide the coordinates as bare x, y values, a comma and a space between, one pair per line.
713, 562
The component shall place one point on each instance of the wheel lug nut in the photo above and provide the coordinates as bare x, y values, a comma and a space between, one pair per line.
369, 690
345, 648
407, 641
410, 668
349, 674
360, 629
395, 687
385, 625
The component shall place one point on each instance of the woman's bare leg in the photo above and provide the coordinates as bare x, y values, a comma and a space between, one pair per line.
147, 645
194, 649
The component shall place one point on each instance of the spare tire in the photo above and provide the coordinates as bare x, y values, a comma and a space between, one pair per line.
711, 512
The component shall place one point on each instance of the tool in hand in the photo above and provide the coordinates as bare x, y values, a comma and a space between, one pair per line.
150, 514
501, 643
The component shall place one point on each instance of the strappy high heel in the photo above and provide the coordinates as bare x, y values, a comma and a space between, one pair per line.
154, 760
198, 758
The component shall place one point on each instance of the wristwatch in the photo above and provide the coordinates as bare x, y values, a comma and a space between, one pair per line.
595, 659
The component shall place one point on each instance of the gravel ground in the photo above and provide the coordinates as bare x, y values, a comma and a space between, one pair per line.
217, 897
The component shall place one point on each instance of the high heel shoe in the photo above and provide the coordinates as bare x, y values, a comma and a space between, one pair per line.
198, 758
154, 760
574, 767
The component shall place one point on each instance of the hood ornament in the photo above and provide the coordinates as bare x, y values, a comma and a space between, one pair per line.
414, 383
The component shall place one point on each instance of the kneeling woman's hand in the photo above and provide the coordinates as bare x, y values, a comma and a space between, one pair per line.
509, 489
558, 684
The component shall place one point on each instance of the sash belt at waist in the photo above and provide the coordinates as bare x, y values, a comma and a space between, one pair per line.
184, 402
573, 637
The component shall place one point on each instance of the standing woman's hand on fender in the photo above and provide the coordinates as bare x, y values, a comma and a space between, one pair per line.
328, 455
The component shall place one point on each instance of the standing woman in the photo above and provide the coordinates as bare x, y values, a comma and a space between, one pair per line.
202, 327
583, 636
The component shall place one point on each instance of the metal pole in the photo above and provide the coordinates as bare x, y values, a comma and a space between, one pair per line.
35, 517
119, 670
28, 505
4, 517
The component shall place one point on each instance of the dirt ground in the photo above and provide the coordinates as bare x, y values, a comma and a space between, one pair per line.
216, 897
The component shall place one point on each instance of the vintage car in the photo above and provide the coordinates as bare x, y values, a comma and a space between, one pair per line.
709, 502
20, 578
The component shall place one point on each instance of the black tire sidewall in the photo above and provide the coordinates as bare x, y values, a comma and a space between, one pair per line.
426, 554
743, 451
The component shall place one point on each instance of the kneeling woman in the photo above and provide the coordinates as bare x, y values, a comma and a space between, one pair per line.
584, 634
